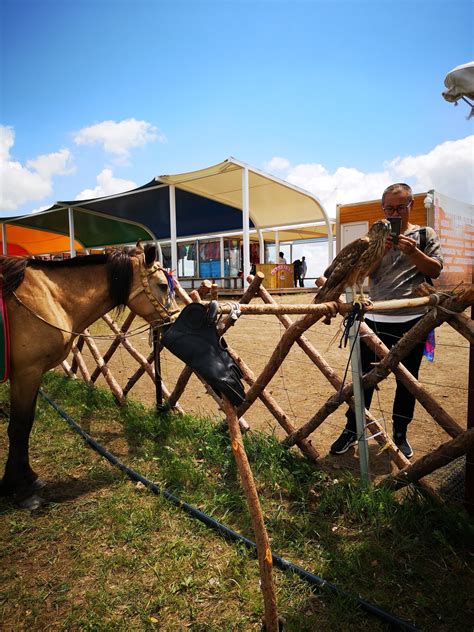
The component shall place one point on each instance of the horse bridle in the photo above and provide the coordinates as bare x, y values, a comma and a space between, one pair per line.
146, 272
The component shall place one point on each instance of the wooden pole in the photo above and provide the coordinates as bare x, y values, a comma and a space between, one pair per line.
79, 344
119, 339
114, 386
157, 366
321, 309
443, 455
139, 372
262, 541
67, 369
461, 322
81, 364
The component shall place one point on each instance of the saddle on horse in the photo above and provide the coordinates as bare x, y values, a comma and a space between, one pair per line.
194, 339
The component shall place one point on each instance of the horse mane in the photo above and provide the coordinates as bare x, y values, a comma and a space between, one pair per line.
119, 270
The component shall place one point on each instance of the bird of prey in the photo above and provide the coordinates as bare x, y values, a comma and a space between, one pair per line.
354, 263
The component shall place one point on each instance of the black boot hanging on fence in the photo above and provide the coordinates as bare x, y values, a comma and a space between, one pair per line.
193, 338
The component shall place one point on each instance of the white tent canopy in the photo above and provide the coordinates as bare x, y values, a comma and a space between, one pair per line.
228, 198
273, 205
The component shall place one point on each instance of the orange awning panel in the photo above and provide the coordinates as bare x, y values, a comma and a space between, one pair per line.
22, 240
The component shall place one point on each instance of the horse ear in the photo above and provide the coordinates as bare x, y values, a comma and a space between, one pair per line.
139, 246
150, 255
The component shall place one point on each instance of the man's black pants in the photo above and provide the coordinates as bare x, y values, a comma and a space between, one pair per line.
404, 402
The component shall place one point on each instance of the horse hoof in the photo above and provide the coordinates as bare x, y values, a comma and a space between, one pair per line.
31, 503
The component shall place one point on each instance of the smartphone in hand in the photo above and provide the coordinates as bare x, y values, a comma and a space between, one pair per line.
395, 227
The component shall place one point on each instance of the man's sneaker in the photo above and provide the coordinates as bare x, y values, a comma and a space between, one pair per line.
401, 441
345, 441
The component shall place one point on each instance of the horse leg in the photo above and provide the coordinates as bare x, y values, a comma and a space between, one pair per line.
19, 478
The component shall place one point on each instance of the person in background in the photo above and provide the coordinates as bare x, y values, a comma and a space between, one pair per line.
297, 272
281, 258
403, 268
304, 270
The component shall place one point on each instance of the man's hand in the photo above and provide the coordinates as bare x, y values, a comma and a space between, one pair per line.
425, 264
406, 244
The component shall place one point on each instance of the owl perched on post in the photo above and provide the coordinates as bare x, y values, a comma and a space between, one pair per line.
353, 263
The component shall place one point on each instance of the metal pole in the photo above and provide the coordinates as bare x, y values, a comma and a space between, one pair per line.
4, 239
245, 224
72, 248
174, 245
261, 247
221, 250
356, 365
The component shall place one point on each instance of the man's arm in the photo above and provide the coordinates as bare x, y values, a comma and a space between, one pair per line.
427, 265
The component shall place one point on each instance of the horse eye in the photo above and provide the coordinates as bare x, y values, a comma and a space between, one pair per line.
163, 287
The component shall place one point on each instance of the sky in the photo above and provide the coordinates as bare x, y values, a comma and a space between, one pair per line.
338, 97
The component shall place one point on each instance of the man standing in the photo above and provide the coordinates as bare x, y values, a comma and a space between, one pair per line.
409, 258
297, 272
304, 270
281, 258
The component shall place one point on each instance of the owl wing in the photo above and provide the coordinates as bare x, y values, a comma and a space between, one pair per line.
342, 269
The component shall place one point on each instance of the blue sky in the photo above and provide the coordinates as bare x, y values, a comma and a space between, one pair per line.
338, 97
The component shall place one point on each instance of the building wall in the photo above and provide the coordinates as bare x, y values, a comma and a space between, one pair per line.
371, 211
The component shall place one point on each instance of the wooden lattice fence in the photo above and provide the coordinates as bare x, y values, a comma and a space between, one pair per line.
447, 307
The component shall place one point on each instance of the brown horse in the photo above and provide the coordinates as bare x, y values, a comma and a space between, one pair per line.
48, 302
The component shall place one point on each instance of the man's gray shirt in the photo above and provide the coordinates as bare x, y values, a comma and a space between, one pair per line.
397, 277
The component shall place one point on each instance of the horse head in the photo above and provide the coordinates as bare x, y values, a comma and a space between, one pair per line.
152, 294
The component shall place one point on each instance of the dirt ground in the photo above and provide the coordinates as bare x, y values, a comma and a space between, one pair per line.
301, 389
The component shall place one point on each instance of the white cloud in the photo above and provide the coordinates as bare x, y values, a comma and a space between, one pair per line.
48, 165
33, 181
277, 164
118, 138
106, 185
449, 168
42, 208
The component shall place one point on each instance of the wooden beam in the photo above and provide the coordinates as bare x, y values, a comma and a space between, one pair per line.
440, 457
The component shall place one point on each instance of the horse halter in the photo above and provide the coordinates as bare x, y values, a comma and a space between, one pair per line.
145, 272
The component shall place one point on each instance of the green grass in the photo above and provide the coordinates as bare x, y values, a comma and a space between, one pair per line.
138, 562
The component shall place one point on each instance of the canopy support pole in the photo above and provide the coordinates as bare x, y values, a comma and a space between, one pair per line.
330, 241
174, 246
221, 250
245, 224
72, 248
261, 246
277, 246
4, 239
